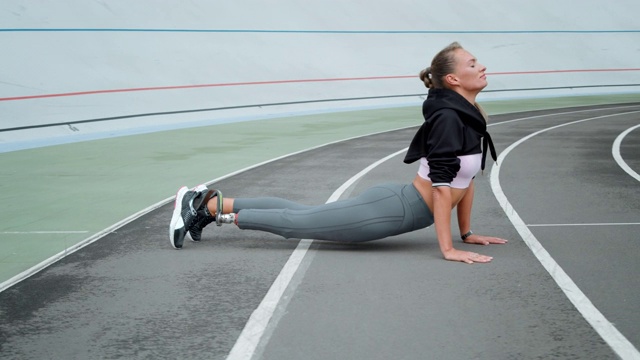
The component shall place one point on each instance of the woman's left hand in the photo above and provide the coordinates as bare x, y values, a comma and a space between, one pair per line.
484, 240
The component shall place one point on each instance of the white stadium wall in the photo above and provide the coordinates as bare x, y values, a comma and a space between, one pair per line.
150, 65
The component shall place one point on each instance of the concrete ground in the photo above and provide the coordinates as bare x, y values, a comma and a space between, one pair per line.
130, 295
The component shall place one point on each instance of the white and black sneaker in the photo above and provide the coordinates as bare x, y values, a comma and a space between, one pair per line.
202, 220
194, 233
184, 214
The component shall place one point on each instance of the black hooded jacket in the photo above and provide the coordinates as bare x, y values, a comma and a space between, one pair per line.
453, 127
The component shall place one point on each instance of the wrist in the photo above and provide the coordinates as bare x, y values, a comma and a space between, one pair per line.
466, 235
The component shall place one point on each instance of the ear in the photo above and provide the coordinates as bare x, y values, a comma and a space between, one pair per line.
451, 79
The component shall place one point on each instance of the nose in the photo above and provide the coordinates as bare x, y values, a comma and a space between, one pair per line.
482, 68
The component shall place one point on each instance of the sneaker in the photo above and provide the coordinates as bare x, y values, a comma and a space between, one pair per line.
184, 214
202, 220
195, 232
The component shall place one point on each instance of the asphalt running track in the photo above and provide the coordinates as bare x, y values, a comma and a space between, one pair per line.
566, 286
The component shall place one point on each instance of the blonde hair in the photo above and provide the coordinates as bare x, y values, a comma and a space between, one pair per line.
482, 112
441, 65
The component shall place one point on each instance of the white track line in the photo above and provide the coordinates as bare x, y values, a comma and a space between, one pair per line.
587, 224
71, 249
616, 153
620, 345
95, 237
250, 337
45, 232
33, 270
253, 331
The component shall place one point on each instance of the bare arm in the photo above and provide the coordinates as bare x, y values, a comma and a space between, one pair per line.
464, 210
464, 221
442, 218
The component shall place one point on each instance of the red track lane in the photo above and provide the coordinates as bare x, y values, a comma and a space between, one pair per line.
92, 92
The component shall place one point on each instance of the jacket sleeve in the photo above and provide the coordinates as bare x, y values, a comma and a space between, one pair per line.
444, 142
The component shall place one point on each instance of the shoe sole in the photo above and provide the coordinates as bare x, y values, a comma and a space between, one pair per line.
176, 226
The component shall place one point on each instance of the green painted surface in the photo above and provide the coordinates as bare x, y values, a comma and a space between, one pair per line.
58, 196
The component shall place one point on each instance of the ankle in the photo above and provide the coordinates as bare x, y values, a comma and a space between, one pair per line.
207, 212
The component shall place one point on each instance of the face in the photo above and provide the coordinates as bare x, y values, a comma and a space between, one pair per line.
469, 74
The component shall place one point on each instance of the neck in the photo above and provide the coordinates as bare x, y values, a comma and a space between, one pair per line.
470, 96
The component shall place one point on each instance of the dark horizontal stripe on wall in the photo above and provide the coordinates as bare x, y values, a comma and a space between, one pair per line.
69, 123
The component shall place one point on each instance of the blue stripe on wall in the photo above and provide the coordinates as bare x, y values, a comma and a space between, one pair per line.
330, 31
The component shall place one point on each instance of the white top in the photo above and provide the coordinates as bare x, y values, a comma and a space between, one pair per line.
469, 167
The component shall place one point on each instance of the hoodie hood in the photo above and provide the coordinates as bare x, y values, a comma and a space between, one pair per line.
440, 102
439, 99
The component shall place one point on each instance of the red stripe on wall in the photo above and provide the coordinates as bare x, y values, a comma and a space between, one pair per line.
92, 92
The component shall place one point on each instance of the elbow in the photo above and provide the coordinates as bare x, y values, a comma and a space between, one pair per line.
442, 192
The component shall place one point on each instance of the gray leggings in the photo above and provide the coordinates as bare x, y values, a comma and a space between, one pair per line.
378, 212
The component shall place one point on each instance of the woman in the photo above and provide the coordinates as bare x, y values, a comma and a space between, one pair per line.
448, 146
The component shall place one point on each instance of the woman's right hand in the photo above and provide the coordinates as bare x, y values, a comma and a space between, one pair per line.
466, 256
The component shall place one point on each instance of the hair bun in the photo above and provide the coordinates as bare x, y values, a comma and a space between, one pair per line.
425, 76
